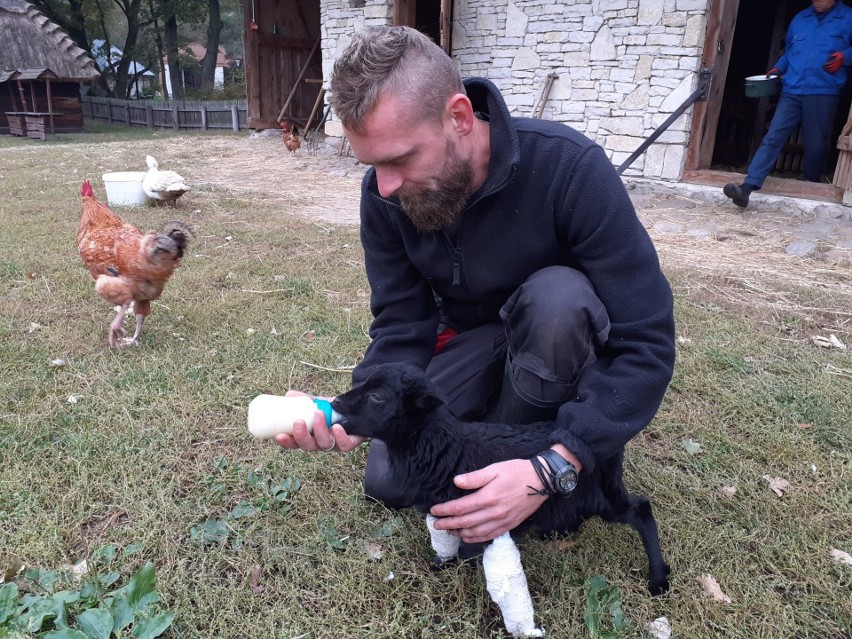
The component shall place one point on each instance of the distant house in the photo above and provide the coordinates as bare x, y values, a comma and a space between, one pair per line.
191, 73
40, 69
140, 79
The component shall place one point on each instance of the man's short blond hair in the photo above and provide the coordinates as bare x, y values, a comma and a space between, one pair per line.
392, 60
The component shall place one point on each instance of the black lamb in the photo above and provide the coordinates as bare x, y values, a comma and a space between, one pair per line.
428, 446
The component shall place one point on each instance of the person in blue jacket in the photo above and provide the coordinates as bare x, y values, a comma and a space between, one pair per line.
505, 259
818, 48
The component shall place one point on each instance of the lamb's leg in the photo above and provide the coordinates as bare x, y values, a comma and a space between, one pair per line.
507, 585
445, 545
639, 515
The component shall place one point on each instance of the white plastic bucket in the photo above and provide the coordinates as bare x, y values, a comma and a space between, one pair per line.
125, 188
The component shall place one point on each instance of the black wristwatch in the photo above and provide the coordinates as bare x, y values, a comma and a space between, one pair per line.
563, 472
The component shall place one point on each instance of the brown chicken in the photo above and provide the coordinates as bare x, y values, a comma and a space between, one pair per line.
291, 136
128, 266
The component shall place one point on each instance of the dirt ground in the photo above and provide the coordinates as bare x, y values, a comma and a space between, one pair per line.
776, 239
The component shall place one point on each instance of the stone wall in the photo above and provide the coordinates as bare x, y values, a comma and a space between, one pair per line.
623, 66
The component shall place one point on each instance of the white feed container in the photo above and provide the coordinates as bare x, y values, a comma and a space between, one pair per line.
125, 188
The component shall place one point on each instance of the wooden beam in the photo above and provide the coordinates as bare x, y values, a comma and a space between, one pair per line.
772, 185
447, 26
23, 95
12, 99
405, 13
49, 104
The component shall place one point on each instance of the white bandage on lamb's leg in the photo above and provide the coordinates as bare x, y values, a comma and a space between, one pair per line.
445, 545
507, 585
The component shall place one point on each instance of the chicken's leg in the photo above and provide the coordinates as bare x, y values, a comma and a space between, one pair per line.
140, 319
116, 330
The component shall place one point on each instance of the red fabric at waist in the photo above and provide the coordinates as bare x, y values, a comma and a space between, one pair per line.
444, 338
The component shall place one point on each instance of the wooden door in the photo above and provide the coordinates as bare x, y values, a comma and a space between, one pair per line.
432, 17
717, 54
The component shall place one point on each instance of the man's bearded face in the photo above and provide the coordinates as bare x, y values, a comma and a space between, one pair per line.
431, 209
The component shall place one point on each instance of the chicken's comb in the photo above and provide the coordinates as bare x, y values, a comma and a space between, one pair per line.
86, 189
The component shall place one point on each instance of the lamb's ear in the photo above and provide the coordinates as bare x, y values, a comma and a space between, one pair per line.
424, 401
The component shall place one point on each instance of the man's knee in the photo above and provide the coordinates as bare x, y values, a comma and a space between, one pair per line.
555, 326
553, 300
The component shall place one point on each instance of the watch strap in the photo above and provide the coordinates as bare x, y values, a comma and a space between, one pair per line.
555, 461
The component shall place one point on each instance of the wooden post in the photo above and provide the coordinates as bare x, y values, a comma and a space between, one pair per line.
12, 99
49, 105
314, 110
23, 95
203, 117
149, 116
127, 114
716, 54
109, 110
235, 118
175, 122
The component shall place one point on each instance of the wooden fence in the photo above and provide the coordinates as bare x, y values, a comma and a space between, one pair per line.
167, 115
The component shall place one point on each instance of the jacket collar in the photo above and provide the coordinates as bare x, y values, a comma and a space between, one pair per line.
835, 11
505, 148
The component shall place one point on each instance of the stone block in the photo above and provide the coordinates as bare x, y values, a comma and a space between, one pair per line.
603, 47
650, 11
486, 22
526, 58
694, 34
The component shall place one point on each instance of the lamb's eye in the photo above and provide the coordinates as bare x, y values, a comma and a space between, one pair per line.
376, 398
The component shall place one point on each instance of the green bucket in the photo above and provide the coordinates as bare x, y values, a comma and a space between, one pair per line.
759, 86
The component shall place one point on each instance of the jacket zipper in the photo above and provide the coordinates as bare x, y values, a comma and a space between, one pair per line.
456, 254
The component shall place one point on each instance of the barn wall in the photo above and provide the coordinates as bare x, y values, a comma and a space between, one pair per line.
624, 65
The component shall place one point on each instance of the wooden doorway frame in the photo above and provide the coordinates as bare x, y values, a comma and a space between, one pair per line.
405, 14
718, 42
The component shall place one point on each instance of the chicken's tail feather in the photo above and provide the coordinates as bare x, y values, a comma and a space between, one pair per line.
178, 231
86, 189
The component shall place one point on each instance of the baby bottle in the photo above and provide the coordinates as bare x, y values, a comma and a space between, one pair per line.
269, 415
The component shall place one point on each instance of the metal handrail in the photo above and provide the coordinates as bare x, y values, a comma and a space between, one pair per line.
700, 94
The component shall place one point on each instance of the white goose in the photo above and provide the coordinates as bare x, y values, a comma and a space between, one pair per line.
162, 186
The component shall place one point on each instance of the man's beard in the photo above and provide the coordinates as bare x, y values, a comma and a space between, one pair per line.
431, 209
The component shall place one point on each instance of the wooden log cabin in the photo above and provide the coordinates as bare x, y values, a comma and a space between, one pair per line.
41, 70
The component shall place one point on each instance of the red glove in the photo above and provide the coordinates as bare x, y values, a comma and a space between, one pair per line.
773, 71
835, 61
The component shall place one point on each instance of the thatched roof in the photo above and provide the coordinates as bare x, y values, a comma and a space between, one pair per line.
31, 41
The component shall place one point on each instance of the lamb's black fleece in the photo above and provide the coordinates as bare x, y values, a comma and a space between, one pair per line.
428, 446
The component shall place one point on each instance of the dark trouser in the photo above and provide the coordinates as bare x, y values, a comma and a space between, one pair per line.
816, 115
550, 330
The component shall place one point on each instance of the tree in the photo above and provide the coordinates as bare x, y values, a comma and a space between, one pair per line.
214, 29
82, 18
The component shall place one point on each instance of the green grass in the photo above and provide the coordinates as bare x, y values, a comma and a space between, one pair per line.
155, 451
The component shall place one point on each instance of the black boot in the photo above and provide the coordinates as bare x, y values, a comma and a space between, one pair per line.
511, 408
739, 193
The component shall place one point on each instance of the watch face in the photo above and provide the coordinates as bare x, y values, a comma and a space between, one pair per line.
567, 481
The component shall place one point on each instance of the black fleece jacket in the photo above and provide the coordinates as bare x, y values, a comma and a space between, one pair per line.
551, 198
